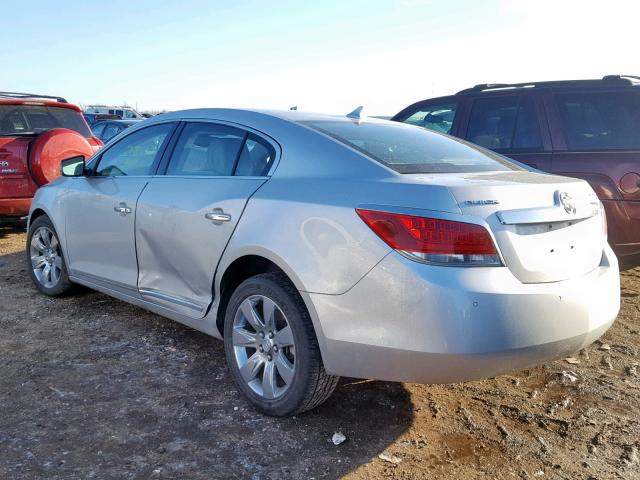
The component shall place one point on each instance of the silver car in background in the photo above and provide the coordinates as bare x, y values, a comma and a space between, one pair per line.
318, 246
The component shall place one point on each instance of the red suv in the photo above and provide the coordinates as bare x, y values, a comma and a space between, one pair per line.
36, 133
588, 129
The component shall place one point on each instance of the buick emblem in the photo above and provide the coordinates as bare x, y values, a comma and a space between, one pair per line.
4, 163
567, 203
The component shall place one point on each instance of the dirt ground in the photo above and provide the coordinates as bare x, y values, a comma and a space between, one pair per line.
91, 387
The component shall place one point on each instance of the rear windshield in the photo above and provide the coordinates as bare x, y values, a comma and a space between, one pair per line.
408, 149
35, 119
601, 120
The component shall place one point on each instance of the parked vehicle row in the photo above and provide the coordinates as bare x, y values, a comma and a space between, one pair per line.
122, 112
317, 246
588, 129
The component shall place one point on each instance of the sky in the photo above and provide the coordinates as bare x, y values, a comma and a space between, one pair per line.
324, 56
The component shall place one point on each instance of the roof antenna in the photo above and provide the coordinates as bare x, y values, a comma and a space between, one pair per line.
295, 107
357, 115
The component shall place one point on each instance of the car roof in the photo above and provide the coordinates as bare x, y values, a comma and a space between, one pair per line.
606, 81
609, 82
249, 115
18, 98
114, 120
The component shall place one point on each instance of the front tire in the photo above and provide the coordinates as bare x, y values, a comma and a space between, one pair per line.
271, 347
45, 260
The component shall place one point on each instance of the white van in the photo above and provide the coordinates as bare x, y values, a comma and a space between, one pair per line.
126, 113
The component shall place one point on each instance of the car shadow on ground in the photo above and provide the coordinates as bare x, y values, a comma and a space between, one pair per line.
10, 229
94, 387
629, 262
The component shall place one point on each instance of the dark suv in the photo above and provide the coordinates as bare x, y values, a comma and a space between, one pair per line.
588, 129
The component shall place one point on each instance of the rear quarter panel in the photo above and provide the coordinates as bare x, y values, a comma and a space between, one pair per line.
303, 218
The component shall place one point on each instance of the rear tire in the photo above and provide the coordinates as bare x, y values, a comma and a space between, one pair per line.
45, 260
276, 362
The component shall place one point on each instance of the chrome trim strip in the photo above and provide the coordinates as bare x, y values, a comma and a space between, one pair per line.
527, 216
148, 292
104, 281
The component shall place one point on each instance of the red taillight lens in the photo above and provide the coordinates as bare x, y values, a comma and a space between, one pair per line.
433, 240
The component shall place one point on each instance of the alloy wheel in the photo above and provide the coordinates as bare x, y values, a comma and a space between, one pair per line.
264, 347
46, 260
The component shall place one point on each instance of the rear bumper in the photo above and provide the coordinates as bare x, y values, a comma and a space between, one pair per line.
405, 321
623, 221
15, 207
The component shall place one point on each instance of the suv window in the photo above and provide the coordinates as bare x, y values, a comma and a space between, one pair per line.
206, 149
408, 149
35, 119
436, 117
601, 120
256, 158
135, 154
504, 123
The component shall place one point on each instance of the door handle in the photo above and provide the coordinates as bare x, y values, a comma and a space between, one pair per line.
122, 209
218, 216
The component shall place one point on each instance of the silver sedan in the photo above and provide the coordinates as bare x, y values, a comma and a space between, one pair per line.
318, 246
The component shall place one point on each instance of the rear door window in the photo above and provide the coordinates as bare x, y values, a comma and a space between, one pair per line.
436, 117
504, 124
206, 149
600, 120
256, 158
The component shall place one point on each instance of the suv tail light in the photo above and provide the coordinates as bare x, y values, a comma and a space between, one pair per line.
434, 240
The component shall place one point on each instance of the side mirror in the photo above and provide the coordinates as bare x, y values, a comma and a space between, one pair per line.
72, 167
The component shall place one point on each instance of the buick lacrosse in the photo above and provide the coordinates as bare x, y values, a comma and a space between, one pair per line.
317, 246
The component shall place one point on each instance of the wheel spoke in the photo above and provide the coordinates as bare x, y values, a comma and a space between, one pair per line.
54, 242
250, 369
55, 274
285, 367
57, 261
244, 338
284, 337
46, 273
269, 380
249, 312
45, 237
268, 313
38, 261
36, 241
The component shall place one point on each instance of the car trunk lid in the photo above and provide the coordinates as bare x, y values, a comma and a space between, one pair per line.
548, 228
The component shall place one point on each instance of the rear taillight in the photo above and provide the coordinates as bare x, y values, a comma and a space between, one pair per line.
433, 240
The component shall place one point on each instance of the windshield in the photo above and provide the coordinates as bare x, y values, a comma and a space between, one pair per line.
408, 149
35, 119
